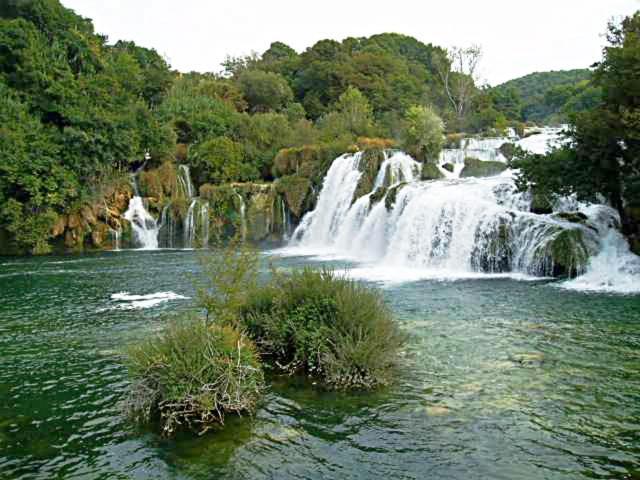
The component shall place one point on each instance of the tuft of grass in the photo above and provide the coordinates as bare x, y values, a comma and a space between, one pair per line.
326, 326
192, 374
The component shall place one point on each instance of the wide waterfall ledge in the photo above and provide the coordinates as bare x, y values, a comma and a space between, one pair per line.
405, 229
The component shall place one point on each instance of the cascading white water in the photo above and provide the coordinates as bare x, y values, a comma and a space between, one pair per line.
457, 227
144, 225
190, 225
243, 217
539, 141
204, 222
184, 181
320, 226
116, 234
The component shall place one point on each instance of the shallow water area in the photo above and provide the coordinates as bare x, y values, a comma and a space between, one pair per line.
501, 378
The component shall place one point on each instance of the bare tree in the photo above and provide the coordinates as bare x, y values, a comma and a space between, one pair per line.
458, 71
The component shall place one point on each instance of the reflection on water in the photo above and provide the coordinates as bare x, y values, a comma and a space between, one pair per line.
500, 379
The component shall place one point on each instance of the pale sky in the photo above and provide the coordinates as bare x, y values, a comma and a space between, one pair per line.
517, 36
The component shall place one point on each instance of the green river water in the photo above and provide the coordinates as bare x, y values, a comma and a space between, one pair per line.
501, 379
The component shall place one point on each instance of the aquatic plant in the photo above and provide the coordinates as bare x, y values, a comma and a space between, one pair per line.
192, 374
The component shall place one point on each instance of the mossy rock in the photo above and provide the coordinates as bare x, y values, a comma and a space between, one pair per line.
100, 234
540, 203
496, 255
378, 195
150, 186
449, 167
224, 209
260, 211
369, 165
430, 171
568, 253
508, 150
477, 168
59, 226
392, 195
289, 161
573, 217
296, 191
74, 238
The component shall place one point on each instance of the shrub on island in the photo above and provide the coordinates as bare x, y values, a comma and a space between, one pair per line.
329, 327
192, 374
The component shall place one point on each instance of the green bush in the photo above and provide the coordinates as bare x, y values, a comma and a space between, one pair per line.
324, 325
192, 374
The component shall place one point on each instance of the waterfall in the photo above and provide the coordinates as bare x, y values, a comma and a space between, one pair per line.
144, 225
189, 230
286, 223
116, 234
459, 227
243, 217
204, 222
184, 182
539, 141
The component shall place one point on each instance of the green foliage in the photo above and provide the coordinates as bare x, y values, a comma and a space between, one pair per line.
230, 278
221, 160
265, 91
423, 135
194, 114
72, 109
603, 157
193, 374
326, 326
546, 97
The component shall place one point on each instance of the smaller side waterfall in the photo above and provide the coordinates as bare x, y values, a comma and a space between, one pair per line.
243, 217
184, 181
144, 226
116, 234
204, 221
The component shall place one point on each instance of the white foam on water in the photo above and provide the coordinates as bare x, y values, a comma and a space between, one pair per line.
395, 275
128, 301
614, 270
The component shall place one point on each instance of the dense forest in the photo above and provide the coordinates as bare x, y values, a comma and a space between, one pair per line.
80, 114
548, 97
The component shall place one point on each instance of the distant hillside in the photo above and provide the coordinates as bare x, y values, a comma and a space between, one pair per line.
548, 97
